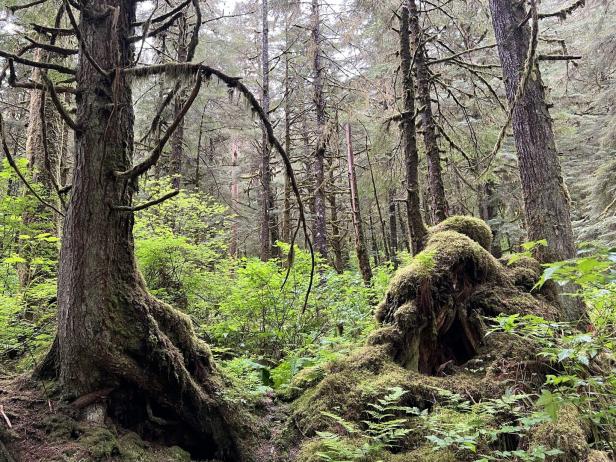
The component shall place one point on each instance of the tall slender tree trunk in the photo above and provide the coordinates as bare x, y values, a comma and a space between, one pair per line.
417, 227
336, 239
235, 199
177, 139
320, 219
546, 201
360, 243
393, 225
112, 334
438, 202
286, 213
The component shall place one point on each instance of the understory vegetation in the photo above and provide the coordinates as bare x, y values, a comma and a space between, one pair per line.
535, 389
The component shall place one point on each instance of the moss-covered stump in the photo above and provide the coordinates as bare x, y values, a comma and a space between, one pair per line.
432, 315
432, 342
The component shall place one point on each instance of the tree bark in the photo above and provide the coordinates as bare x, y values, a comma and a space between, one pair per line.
265, 251
417, 227
320, 219
360, 243
546, 199
436, 189
235, 196
177, 139
111, 332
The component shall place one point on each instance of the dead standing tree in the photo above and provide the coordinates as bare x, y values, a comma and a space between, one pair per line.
112, 334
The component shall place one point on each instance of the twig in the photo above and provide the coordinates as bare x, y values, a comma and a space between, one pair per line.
128, 208
14, 8
6, 417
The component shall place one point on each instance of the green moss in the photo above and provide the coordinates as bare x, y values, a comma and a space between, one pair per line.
475, 228
524, 272
60, 426
100, 442
303, 380
598, 456
567, 433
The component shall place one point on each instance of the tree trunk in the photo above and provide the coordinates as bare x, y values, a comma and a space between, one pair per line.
235, 196
417, 227
177, 139
393, 226
320, 219
438, 203
545, 196
265, 251
360, 243
112, 334
336, 240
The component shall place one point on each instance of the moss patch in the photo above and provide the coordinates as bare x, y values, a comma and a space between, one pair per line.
567, 433
473, 227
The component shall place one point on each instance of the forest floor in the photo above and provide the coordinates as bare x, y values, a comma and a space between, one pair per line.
35, 426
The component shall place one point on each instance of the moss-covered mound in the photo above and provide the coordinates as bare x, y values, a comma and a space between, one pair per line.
473, 227
432, 343
433, 313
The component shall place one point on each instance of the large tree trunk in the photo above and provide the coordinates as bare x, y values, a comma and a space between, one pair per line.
113, 335
360, 243
417, 227
546, 201
320, 219
438, 203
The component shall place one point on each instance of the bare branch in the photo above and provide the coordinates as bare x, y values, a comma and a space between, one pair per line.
52, 48
14, 8
562, 14
29, 62
58, 104
156, 152
163, 17
127, 208
558, 57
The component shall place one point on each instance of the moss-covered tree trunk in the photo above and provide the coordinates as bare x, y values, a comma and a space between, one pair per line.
112, 335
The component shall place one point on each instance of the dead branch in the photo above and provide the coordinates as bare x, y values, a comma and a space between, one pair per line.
58, 104
29, 62
52, 48
128, 208
5, 417
156, 152
562, 14
15, 8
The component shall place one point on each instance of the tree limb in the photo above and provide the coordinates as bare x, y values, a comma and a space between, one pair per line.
128, 208
29, 62
58, 104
